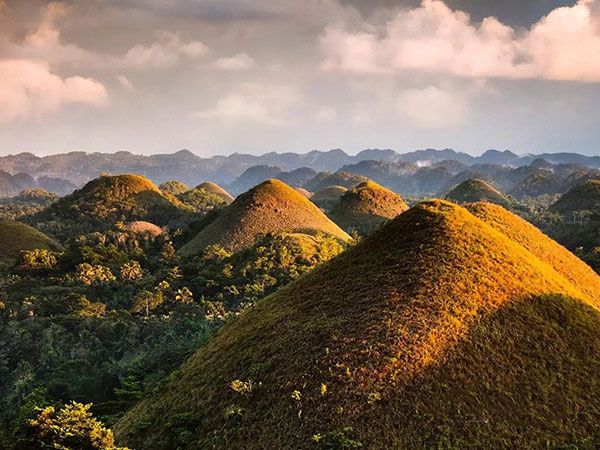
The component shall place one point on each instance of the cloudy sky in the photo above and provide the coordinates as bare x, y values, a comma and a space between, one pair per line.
223, 76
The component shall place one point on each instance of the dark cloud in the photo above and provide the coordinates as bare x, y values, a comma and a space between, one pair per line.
517, 13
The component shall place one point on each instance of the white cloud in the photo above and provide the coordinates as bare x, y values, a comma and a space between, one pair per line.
29, 89
267, 104
241, 61
432, 107
125, 82
564, 45
166, 52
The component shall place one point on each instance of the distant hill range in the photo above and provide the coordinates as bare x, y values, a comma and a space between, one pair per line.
419, 172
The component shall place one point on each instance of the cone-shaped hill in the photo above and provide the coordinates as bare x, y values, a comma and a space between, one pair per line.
324, 179
218, 190
104, 201
366, 207
580, 198
270, 207
173, 187
440, 330
475, 190
304, 193
16, 237
327, 197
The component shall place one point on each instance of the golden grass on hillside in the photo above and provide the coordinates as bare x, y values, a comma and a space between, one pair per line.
366, 207
269, 207
16, 237
438, 331
216, 189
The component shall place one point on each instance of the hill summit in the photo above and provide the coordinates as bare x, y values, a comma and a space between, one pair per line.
16, 237
440, 330
216, 189
476, 190
104, 201
366, 207
584, 197
272, 206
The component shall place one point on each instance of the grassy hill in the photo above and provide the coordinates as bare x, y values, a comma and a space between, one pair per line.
216, 189
173, 187
303, 192
270, 207
325, 179
475, 190
16, 237
327, 197
580, 198
104, 201
366, 207
441, 330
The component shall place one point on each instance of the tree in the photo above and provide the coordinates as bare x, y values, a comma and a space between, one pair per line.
71, 428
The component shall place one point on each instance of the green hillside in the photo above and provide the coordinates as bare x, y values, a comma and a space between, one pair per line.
441, 330
366, 207
105, 201
16, 237
173, 187
270, 207
584, 197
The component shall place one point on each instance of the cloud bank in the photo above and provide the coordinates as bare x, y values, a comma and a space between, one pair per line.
564, 45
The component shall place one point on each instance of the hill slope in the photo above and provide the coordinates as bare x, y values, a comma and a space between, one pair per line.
475, 190
104, 201
271, 206
580, 198
366, 207
216, 189
327, 197
173, 187
438, 331
16, 237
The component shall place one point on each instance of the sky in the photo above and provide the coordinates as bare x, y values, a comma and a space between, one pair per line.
253, 76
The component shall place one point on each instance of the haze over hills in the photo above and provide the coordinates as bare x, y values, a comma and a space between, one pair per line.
437, 331
270, 207
80, 167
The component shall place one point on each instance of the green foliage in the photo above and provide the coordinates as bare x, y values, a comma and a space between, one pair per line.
88, 274
38, 259
71, 428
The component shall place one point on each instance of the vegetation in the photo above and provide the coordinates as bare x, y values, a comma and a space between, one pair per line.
366, 207
16, 237
105, 201
173, 187
111, 317
584, 197
474, 190
438, 331
270, 207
